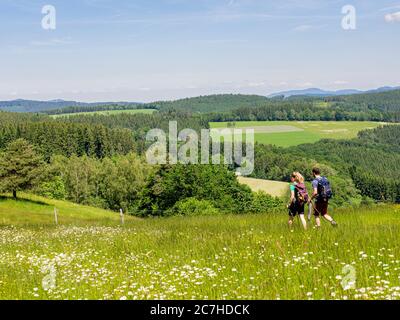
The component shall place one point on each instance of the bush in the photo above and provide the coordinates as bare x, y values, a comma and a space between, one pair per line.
173, 183
263, 202
193, 207
54, 189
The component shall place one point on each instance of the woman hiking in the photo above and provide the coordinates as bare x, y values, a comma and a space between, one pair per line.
298, 199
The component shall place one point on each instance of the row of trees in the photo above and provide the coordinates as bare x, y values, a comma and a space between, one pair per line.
69, 138
305, 111
95, 108
128, 182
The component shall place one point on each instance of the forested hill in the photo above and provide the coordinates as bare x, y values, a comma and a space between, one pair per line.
212, 103
21, 105
377, 106
384, 101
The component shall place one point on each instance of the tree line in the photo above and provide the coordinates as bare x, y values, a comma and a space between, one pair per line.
96, 108
69, 138
128, 182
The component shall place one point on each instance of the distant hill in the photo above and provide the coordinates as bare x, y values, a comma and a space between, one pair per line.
212, 103
21, 105
385, 101
316, 92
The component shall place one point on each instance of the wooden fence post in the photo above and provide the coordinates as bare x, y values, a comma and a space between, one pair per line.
55, 215
121, 214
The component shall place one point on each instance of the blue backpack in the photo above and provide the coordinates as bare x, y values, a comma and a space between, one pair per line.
324, 189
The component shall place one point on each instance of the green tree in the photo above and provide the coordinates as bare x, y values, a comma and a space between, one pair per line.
20, 167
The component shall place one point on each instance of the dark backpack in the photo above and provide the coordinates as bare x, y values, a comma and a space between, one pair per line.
301, 193
324, 189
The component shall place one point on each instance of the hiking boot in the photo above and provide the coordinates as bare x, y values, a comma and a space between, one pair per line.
334, 223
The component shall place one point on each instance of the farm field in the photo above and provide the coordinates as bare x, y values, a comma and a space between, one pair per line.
90, 256
274, 188
292, 133
105, 113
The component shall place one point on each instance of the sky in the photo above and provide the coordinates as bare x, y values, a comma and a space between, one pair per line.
148, 50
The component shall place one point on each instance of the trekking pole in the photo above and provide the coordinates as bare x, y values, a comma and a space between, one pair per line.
313, 205
319, 213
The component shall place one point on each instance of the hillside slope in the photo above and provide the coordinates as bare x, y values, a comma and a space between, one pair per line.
35, 210
212, 103
273, 188
21, 105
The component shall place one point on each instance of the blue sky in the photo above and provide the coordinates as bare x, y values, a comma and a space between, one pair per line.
138, 50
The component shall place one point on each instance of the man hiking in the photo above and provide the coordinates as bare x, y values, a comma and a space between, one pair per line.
298, 199
322, 193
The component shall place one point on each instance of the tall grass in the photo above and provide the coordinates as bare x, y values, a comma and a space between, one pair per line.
224, 257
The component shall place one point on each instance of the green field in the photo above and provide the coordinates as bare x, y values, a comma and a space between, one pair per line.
90, 256
105, 113
292, 133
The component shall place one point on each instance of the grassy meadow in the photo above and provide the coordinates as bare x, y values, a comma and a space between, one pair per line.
89, 255
273, 188
292, 133
105, 113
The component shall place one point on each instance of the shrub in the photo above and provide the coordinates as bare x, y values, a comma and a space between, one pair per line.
54, 189
173, 183
263, 202
193, 207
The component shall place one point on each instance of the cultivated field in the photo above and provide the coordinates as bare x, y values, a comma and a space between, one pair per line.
106, 113
221, 257
291, 133
274, 188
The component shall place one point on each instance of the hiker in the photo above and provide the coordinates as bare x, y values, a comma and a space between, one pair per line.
298, 199
322, 193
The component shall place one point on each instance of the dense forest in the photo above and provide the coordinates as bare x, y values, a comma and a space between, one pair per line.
96, 108
69, 138
382, 106
99, 159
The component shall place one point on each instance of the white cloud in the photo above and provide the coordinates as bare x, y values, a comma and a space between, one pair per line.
390, 8
393, 17
302, 28
52, 42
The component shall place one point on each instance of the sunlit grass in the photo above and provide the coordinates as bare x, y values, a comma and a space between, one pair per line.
224, 257
310, 131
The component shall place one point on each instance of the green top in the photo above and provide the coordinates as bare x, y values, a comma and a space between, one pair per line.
293, 186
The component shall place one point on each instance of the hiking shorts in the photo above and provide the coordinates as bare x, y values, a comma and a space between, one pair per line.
296, 208
321, 208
